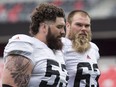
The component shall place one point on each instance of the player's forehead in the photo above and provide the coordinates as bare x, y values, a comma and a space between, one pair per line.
81, 18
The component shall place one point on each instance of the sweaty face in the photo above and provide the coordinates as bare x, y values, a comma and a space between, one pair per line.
55, 32
80, 33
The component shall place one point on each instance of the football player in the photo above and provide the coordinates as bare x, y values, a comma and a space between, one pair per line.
81, 55
37, 60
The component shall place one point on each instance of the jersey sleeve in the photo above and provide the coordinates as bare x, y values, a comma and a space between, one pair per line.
19, 44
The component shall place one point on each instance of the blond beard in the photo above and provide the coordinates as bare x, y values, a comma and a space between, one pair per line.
81, 42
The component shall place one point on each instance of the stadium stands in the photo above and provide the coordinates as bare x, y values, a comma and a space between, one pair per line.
20, 11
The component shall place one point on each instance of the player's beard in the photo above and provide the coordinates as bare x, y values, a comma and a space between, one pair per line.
81, 42
53, 42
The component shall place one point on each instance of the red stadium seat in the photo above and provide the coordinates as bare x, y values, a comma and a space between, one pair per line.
108, 78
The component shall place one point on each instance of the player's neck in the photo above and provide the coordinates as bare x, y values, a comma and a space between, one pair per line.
41, 38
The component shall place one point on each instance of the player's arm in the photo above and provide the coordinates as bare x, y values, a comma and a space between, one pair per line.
17, 71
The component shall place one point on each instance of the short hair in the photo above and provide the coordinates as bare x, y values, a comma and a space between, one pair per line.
44, 12
72, 13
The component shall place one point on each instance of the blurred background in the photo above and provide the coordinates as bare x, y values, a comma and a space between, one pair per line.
15, 18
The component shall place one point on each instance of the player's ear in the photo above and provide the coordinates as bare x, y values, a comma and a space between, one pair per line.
67, 29
43, 27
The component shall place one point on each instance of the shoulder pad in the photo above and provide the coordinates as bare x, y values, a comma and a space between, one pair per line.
20, 38
66, 41
94, 46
